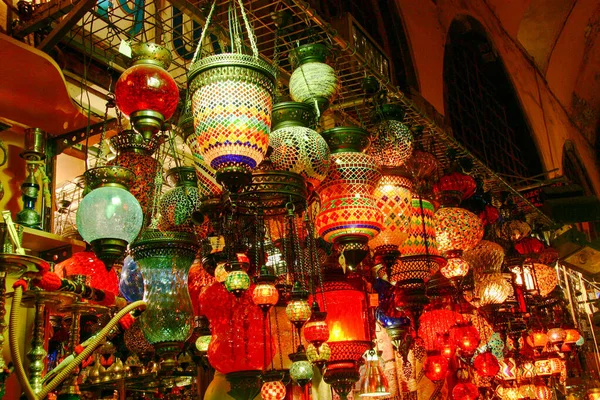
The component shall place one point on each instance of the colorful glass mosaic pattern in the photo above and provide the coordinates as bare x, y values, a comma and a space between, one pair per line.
347, 203
233, 121
485, 258
394, 198
457, 229
313, 80
207, 184
300, 150
274, 390
392, 144
421, 232
455, 268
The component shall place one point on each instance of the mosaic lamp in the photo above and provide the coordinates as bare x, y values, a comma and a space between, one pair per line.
145, 92
392, 142
237, 281
436, 366
313, 81
301, 370
265, 294
109, 217
316, 330
296, 147
273, 390
349, 216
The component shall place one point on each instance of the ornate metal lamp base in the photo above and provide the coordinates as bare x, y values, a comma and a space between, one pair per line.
167, 351
354, 249
109, 250
234, 178
147, 122
342, 380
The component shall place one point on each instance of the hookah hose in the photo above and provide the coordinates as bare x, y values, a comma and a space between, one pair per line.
92, 344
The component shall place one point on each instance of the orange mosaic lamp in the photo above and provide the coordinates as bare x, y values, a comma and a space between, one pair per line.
349, 216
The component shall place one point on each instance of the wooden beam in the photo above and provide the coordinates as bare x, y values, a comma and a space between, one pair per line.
66, 24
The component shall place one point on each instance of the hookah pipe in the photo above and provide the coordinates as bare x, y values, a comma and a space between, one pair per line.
48, 280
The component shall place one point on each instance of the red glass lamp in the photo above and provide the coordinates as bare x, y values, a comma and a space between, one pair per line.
457, 185
298, 310
465, 391
572, 336
537, 339
273, 390
145, 92
465, 336
436, 366
349, 335
435, 324
316, 330
265, 294
556, 335
486, 364
457, 230
349, 216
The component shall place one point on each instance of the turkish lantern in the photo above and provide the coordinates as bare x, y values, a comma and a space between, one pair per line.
572, 336
273, 390
492, 289
456, 267
434, 324
457, 229
420, 254
556, 335
457, 184
465, 391
296, 147
232, 101
485, 258
265, 294
109, 217
542, 392
349, 216
486, 364
392, 141
465, 336
436, 367
316, 330
179, 205
145, 92
313, 81
537, 339
529, 246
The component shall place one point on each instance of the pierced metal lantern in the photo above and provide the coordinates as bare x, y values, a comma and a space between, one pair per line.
145, 92
296, 147
165, 259
313, 81
181, 203
349, 216
232, 100
109, 217
392, 142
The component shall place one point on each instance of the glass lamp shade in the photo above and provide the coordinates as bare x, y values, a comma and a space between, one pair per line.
178, 205
457, 229
485, 258
421, 232
232, 101
203, 342
462, 185
349, 212
492, 289
316, 331
529, 245
298, 311
465, 391
392, 144
436, 367
542, 392
301, 372
514, 230
300, 150
273, 390
556, 335
465, 336
394, 198
318, 355
486, 364
433, 324
207, 183
237, 282
135, 153
110, 212
165, 260
526, 371
131, 282
545, 279
265, 295
109, 217
508, 369
455, 268
313, 80
147, 87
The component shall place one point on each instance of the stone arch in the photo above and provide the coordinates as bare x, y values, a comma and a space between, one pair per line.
574, 169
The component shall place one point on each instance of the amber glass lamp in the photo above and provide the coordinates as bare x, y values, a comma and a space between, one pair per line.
265, 294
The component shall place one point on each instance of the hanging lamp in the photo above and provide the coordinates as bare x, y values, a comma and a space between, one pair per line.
146, 92
349, 216
109, 217
232, 101
392, 143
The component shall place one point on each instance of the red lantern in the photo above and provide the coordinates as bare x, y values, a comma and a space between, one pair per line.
463, 185
198, 279
465, 336
465, 391
572, 336
542, 392
529, 245
486, 364
537, 339
86, 263
556, 335
489, 215
436, 367
237, 326
434, 323
316, 330
145, 92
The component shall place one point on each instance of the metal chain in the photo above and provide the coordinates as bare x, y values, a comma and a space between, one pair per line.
251, 35
203, 35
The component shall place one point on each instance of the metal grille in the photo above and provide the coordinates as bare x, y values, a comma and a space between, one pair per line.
178, 25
